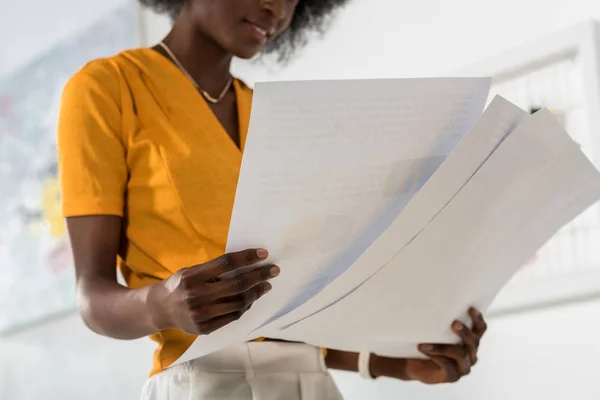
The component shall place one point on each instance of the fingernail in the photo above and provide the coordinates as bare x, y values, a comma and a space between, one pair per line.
426, 347
262, 253
274, 271
268, 288
458, 326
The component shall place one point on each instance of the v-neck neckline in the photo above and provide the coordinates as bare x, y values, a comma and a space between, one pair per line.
213, 122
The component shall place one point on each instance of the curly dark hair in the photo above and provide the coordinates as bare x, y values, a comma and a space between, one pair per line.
310, 16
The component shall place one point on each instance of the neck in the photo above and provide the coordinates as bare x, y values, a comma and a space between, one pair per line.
203, 58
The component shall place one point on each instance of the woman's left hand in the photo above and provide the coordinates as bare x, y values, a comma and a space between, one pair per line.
446, 363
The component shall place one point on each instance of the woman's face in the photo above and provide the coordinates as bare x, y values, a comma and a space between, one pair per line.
243, 27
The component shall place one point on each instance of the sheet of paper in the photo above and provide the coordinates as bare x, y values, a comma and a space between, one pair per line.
322, 160
496, 123
534, 183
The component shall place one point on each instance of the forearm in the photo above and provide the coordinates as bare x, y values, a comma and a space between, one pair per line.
342, 360
112, 310
348, 361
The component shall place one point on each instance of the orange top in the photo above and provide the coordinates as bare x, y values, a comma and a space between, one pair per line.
137, 140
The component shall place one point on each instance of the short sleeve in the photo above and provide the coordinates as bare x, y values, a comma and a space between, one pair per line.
91, 151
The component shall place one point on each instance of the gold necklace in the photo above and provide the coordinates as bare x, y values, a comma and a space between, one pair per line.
205, 94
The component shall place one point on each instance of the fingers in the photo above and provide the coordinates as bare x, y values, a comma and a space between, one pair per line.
211, 300
243, 282
470, 340
216, 315
479, 324
212, 325
240, 303
457, 362
233, 296
232, 261
449, 370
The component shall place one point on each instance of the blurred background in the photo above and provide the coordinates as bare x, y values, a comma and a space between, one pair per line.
544, 333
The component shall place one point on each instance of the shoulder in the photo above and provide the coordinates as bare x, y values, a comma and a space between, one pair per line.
102, 75
95, 95
101, 70
98, 79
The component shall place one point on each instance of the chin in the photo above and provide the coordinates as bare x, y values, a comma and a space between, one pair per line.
243, 48
246, 53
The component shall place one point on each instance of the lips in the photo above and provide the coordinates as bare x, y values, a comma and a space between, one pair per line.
260, 31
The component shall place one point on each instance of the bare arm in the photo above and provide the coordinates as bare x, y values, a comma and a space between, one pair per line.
445, 363
194, 299
107, 307
342, 360
348, 361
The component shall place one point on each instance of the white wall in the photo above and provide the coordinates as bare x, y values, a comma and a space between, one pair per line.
547, 355
387, 38
30, 28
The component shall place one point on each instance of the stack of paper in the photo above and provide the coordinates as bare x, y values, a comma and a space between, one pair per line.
392, 206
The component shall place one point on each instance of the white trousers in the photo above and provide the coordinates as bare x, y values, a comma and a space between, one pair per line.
250, 371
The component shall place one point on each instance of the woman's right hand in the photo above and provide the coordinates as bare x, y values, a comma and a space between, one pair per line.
198, 301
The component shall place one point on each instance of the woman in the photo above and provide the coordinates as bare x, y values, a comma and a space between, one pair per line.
150, 146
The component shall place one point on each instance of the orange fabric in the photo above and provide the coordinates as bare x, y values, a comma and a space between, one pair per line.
137, 140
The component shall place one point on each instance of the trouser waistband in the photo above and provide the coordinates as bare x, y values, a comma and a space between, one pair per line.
263, 357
